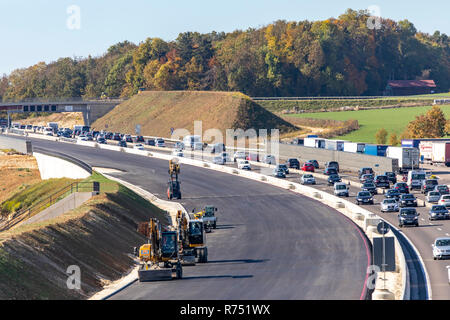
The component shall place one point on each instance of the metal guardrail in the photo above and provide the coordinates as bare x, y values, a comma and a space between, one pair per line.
335, 98
65, 157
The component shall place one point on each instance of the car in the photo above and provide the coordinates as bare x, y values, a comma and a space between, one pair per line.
314, 163
218, 148
438, 212
117, 137
329, 171
408, 216
307, 166
128, 138
365, 170
402, 187
198, 146
101, 140
332, 164
392, 177
139, 146
366, 177
428, 185
444, 200
442, 189
433, 196
151, 142
243, 164
407, 200
109, 135
269, 159
160, 143
139, 139
283, 167
293, 163
382, 181
178, 153
307, 179
392, 194
218, 160
225, 156
179, 146
389, 205
279, 173
341, 189
333, 178
253, 157
239, 155
369, 186
122, 143
441, 248
89, 137
364, 197
82, 138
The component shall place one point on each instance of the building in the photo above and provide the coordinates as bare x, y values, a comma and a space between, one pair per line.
409, 87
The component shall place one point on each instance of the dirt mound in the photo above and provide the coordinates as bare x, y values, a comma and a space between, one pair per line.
64, 119
158, 111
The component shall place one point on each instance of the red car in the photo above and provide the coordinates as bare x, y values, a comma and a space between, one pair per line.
308, 167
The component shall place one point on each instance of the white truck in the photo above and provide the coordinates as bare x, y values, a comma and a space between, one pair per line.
415, 178
426, 149
441, 153
354, 147
408, 158
314, 143
53, 125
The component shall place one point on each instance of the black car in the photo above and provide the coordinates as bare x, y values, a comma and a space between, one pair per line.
366, 178
314, 163
369, 186
407, 200
442, 189
329, 171
333, 178
364, 197
151, 142
122, 143
392, 177
393, 194
139, 139
365, 170
428, 185
402, 187
117, 137
101, 140
382, 181
408, 216
332, 164
109, 135
293, 163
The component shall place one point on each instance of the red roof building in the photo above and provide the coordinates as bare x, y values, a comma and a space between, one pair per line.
409, 87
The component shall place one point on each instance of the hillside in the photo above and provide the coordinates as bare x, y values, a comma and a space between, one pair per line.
64, 120
158, 111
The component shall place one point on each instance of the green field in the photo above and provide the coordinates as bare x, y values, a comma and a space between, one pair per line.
370, 121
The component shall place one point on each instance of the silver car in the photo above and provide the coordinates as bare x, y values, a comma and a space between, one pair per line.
389, 205
307, 179
433, 196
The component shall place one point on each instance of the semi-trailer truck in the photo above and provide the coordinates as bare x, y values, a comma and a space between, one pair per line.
441, 153
354, 147
408, 158
375, 150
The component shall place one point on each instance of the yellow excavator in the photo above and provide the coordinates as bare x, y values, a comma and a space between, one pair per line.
159, 258
173, 189
191, 238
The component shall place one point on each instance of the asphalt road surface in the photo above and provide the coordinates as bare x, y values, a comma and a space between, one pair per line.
269, 244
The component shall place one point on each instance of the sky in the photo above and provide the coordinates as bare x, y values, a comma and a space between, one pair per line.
45, 30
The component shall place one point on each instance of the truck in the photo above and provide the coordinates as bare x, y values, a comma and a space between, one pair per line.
441, 153
375, 150
408, 158
426, 150
53, 125
411, 143
354, 147
314, 143
415, 178
336, 145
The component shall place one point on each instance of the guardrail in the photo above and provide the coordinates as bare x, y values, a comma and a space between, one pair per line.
65, 157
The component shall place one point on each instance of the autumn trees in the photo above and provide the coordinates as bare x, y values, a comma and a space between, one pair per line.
323, 58
429, 125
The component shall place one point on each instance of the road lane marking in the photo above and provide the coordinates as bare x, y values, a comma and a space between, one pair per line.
439, 229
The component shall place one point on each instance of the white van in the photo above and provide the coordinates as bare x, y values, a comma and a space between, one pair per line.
244, 164
415, 178
48, 131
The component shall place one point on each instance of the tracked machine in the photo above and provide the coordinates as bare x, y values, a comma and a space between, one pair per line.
192, 239
173, 189
159, 258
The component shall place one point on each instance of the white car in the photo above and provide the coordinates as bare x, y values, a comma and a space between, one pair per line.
441, 248
82, 138
433, 196
139, 146
244, 164
239, 155
269, 159
445, 200
178, 153
389, 205
160, 143
218, 160
307, 179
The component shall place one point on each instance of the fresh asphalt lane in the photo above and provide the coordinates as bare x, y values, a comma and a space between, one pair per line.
422, 238
269, 244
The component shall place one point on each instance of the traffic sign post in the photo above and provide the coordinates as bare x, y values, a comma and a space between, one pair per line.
137, 129
448, 270
383, 228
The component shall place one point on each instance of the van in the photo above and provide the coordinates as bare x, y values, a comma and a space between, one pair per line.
48, 131
190, 141
415, 178
340, 189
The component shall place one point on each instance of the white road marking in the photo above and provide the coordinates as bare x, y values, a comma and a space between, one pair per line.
439, 229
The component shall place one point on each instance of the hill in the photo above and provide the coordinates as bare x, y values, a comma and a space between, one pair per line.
158, 111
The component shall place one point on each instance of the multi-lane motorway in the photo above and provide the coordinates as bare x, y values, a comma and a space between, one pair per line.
270, 243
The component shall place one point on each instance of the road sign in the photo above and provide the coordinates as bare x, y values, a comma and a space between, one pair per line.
383, 228
171, 130
137, 129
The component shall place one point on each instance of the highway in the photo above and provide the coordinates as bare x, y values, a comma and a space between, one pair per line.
270, 243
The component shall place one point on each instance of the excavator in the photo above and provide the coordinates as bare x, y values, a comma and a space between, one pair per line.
159, 258
192, 238
173, 190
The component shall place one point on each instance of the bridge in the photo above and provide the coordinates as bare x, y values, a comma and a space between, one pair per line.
92, 109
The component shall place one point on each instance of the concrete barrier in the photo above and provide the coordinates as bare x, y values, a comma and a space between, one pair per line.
22, 146
53, 166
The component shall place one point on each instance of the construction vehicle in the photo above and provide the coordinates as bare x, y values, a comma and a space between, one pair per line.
173, 190
159, 259
192, 238
208, 216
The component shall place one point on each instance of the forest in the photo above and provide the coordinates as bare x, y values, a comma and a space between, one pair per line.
335, 57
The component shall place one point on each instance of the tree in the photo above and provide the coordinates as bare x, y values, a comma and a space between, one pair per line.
429, 125
381, 136
393, 139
